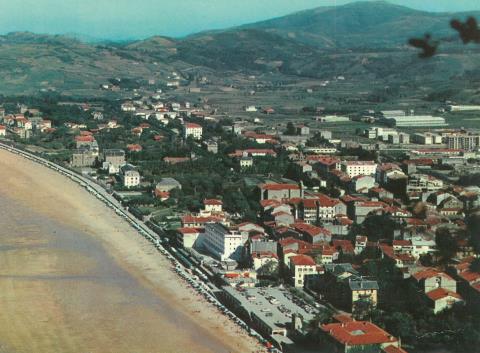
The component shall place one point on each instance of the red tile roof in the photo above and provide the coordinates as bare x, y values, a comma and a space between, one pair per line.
402, 243
215, 202
266, 203
345, 245
264, 254
470, 276
311, 230
192, 126
302, 260
280, 187
429, 273
441, 293
187, 230
134, 147
356, 333
162, 194
200, 220
82, 138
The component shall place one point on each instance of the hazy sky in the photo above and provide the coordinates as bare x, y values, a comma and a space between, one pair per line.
127, 19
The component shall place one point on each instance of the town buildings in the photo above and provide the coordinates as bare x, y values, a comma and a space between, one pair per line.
130, 176
356, 168
193, 130
222, 242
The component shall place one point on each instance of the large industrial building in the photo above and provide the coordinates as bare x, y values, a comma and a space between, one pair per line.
415, 121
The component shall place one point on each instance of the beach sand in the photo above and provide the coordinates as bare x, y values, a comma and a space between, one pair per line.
74, 277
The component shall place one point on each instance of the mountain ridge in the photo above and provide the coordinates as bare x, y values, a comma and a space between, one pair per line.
361, 39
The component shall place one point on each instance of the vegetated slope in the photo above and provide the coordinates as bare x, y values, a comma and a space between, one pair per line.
363, 41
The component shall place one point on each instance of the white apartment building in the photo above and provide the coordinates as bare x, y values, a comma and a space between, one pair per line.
423, 183
463, 141
427, 138
355, 168
302, 265
320, 150
194, 130
130, 176
222, 242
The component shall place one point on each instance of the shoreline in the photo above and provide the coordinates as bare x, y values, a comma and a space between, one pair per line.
132, 253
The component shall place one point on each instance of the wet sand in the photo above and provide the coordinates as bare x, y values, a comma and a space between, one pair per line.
74, 277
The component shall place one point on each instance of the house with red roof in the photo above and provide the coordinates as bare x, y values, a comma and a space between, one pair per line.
213, 205
300, 266
261, 258
134, 147
277, 191
260, 138
440, 289
356, 336
343, 245
189, 237
192, 221
253, 152
441, 299
3, 130
162, 195
193, 130
313, 234
468, 280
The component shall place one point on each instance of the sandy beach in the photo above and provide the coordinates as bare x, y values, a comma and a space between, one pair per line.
74, 277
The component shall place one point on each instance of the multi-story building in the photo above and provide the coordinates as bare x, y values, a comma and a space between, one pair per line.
302, 265
427, 138
213, 205
423, 183
359, 336
194, 130
463, 141
83, 158
222, 242
3, 130
320, 150
246, 162
130, 176
113, 159
354, 168
280, 191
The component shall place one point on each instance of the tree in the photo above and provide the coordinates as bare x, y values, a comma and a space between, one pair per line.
290, 129
475, 265
270, 270
473, 231
446, 244
378, 227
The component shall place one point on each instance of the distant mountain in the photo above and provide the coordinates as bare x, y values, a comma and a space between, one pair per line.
365, 41
31, 62
361, 24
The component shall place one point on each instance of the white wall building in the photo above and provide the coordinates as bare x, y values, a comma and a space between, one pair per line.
354, 168
130, 176
302, 265
222, 242
194, 130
